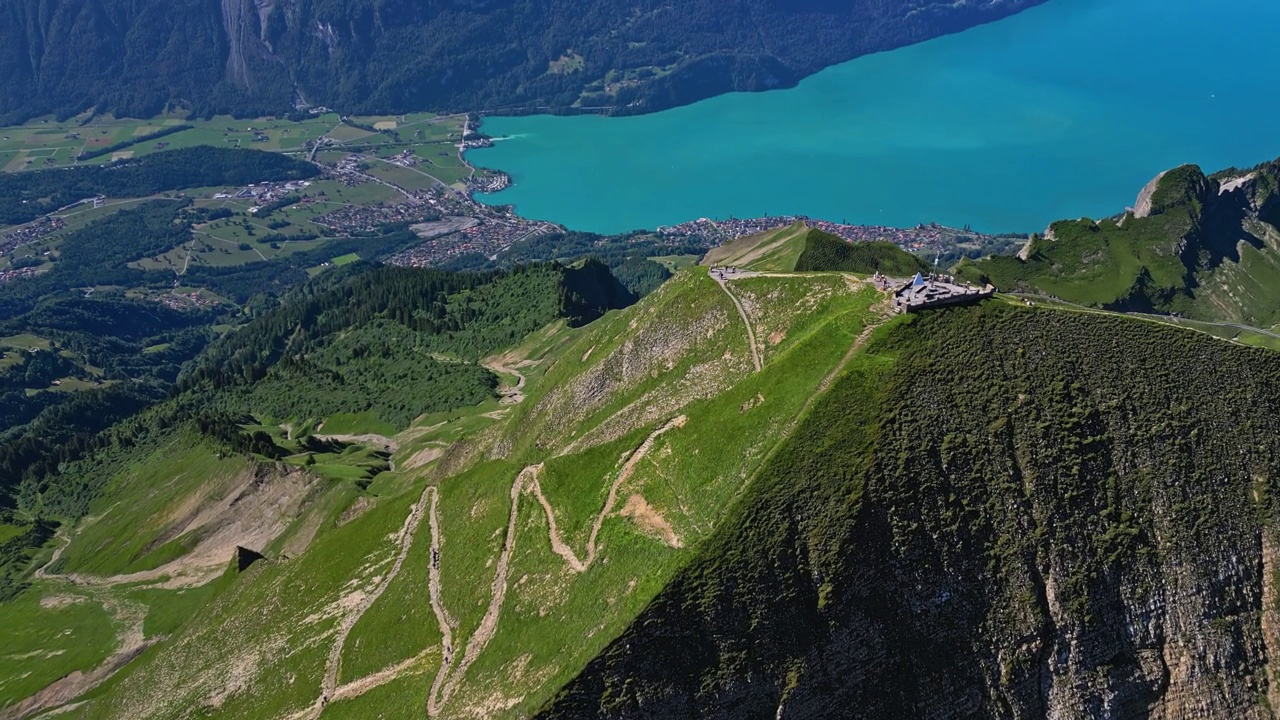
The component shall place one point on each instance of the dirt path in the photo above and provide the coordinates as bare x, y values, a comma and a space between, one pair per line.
437, 606
249, 514
333, 664
558, 545
42, 572
449, 677
883, 310
830, 378
203, 563
176, 574
453, 668
450, 674
382, 441
1162, 319
356, 688
508, 365
746, 321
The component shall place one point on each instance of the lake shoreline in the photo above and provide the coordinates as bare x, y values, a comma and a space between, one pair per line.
992, 128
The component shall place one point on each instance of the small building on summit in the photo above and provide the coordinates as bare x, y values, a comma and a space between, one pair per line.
923, 293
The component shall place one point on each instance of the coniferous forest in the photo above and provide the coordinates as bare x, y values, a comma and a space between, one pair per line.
138, 59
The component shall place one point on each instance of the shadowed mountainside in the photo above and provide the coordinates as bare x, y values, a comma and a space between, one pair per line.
1081, 524
761, 496
134, 57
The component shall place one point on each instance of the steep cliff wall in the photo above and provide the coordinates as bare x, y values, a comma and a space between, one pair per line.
997, 513
132, 57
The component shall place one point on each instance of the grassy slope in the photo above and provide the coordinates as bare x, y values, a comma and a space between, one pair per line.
547, 608
772, 250
140, 524
124, 531
785, 311
555, 620
1199, 254
1095, 263
903, 540
45, 642
258, 649
826, 252
683, 341
594, 395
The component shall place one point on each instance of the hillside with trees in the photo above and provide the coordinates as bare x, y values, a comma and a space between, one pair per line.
26, 196
393, 342
825, 252
399, 485
246, 58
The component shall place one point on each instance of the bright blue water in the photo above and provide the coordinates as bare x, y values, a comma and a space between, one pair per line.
1064, 110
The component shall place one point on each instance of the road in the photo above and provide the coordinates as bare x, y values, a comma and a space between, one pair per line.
1186, 323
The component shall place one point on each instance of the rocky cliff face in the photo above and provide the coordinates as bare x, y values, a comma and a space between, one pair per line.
251, 56
1205, 247
1000, 514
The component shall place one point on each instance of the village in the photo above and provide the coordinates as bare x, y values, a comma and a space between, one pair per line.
926, 239
486, 237
30, 233
9, 275
455, 228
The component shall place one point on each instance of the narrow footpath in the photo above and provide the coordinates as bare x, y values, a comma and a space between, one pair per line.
450, 676
746, 321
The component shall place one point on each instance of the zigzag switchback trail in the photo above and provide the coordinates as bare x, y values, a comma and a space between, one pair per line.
519, 547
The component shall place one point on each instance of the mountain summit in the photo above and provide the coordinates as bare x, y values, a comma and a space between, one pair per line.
1201, 246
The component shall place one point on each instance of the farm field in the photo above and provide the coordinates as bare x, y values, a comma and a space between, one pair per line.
47, 143
244, 237
422, 145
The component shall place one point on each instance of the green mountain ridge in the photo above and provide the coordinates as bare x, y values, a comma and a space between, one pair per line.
799, 248
1045, 532
625, 386
1205, 247
527, 493
826, 252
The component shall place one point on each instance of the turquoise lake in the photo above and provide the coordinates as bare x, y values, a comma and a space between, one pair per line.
1064, 110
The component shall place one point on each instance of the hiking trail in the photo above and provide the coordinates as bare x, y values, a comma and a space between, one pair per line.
450, 676
746, 321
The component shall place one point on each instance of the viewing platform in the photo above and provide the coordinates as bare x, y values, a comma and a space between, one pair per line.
924, 293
